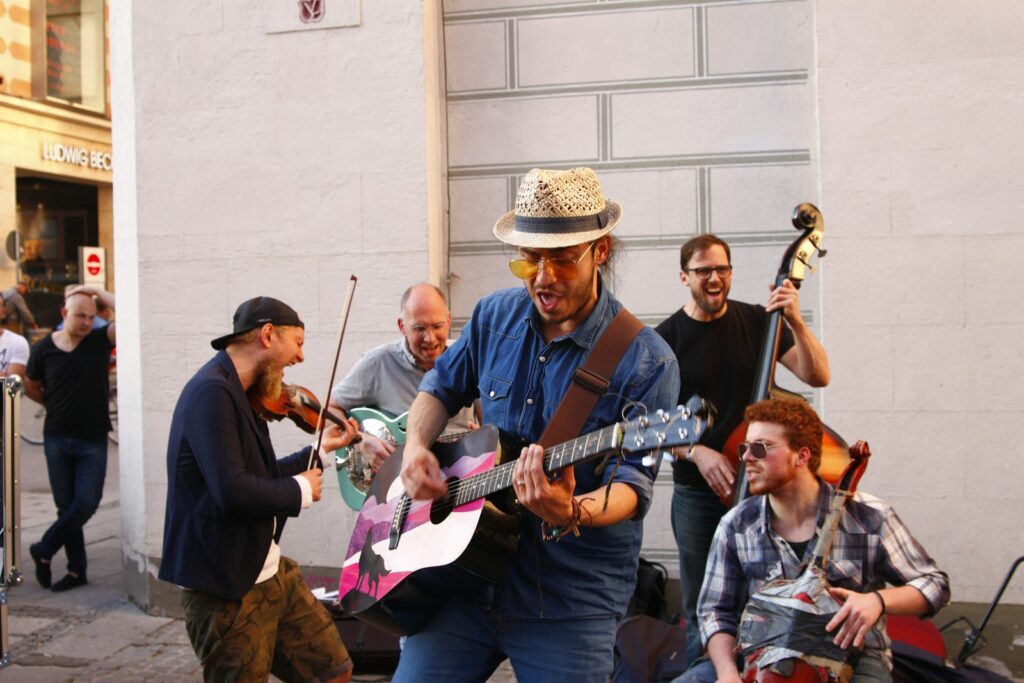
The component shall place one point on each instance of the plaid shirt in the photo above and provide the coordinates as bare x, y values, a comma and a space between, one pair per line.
872, 547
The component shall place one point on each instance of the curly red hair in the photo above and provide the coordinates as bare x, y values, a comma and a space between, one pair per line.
802, 425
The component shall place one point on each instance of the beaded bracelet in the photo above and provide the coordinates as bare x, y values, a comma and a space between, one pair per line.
556, 533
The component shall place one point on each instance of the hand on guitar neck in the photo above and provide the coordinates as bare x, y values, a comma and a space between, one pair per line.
550, 498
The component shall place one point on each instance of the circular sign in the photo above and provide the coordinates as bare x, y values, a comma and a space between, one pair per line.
92, 264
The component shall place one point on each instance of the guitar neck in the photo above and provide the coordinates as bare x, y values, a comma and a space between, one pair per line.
557, 457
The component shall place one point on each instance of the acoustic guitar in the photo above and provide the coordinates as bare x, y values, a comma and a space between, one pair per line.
408, 558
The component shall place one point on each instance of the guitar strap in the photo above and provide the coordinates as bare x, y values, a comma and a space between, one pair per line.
591, 381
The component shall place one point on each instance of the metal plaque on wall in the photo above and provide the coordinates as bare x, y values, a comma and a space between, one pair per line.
280, 16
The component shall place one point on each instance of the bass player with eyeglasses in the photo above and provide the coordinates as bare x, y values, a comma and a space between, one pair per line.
716, 341
554, 612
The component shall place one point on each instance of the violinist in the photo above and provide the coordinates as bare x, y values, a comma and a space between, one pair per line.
247, 609
716, 341
876, 566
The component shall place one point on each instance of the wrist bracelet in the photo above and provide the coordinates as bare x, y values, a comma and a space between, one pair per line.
691, 455
556, 533
881, 600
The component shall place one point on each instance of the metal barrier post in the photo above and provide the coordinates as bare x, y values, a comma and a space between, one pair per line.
10, 503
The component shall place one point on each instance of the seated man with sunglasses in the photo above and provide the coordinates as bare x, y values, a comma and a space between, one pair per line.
717, 342
555, 612
876, 567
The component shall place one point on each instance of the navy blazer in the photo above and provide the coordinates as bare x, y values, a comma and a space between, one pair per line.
225, 487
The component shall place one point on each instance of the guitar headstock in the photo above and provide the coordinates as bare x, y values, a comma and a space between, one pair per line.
808, 219
663, 430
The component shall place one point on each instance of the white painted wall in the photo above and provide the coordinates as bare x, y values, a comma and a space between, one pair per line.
254, 163
922, 152
257, 163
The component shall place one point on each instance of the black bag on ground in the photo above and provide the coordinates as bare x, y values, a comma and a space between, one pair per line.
648, 650
649, 594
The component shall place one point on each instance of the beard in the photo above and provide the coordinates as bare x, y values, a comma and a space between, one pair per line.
704, 303
269, 380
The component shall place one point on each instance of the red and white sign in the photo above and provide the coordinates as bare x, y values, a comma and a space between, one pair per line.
92, 264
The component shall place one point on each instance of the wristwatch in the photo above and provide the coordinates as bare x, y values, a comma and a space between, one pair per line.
691, 454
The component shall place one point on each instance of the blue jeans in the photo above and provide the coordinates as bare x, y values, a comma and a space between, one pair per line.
77, 468
868, 670
466, 643
695, 515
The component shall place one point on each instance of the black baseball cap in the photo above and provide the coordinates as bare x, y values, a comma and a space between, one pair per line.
256, 313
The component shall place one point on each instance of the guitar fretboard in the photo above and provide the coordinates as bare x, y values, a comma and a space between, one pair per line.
555, 458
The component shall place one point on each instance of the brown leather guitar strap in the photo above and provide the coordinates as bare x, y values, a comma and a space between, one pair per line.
591, 381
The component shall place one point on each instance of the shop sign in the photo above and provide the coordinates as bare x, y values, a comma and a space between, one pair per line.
77, 156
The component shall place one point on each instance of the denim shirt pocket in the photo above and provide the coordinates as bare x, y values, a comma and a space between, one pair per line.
494, 397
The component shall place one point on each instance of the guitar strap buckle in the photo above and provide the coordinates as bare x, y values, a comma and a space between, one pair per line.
591, 381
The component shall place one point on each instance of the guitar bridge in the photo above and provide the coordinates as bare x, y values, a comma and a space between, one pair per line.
398, 520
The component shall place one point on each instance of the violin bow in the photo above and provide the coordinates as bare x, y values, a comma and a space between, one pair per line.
321, 422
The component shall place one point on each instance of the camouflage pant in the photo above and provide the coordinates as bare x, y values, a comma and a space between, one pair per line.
278, 627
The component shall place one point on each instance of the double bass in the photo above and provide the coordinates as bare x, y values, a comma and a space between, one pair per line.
795, 264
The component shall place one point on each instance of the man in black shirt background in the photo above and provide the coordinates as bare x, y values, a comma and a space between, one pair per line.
717, 342
68, 372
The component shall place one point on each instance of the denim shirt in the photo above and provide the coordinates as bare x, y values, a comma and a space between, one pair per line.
502, 358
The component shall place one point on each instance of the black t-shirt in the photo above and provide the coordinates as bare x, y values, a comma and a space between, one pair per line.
76, 385
717, 360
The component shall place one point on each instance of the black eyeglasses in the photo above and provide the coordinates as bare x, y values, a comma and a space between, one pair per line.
704, 272
758, 449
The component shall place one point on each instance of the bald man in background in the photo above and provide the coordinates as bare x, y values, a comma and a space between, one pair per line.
69, 372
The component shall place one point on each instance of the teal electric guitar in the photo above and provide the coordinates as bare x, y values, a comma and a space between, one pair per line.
354, 473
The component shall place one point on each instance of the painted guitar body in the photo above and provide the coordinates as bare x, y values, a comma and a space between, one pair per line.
399, 589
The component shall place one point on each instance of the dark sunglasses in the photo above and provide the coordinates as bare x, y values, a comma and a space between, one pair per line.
758, 449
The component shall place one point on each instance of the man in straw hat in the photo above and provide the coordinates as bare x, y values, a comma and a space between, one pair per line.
554, 613
247, 609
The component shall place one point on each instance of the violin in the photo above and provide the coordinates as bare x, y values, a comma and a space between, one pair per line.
298, 404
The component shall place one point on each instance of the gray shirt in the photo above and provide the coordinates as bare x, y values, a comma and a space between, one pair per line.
388, 379
16, 306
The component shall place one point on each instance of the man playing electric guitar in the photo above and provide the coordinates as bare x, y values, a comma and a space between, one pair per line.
387, 377
555, 611
716, 341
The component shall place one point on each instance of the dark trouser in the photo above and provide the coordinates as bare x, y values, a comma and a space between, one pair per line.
77, 469
867, 670
465, 643
695, 515
278, 627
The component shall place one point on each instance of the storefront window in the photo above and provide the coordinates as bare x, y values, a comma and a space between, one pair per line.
54, 220
70, 67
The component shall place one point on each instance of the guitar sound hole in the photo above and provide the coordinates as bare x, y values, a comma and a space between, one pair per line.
442, 507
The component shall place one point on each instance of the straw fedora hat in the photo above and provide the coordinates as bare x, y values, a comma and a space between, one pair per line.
556, 209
